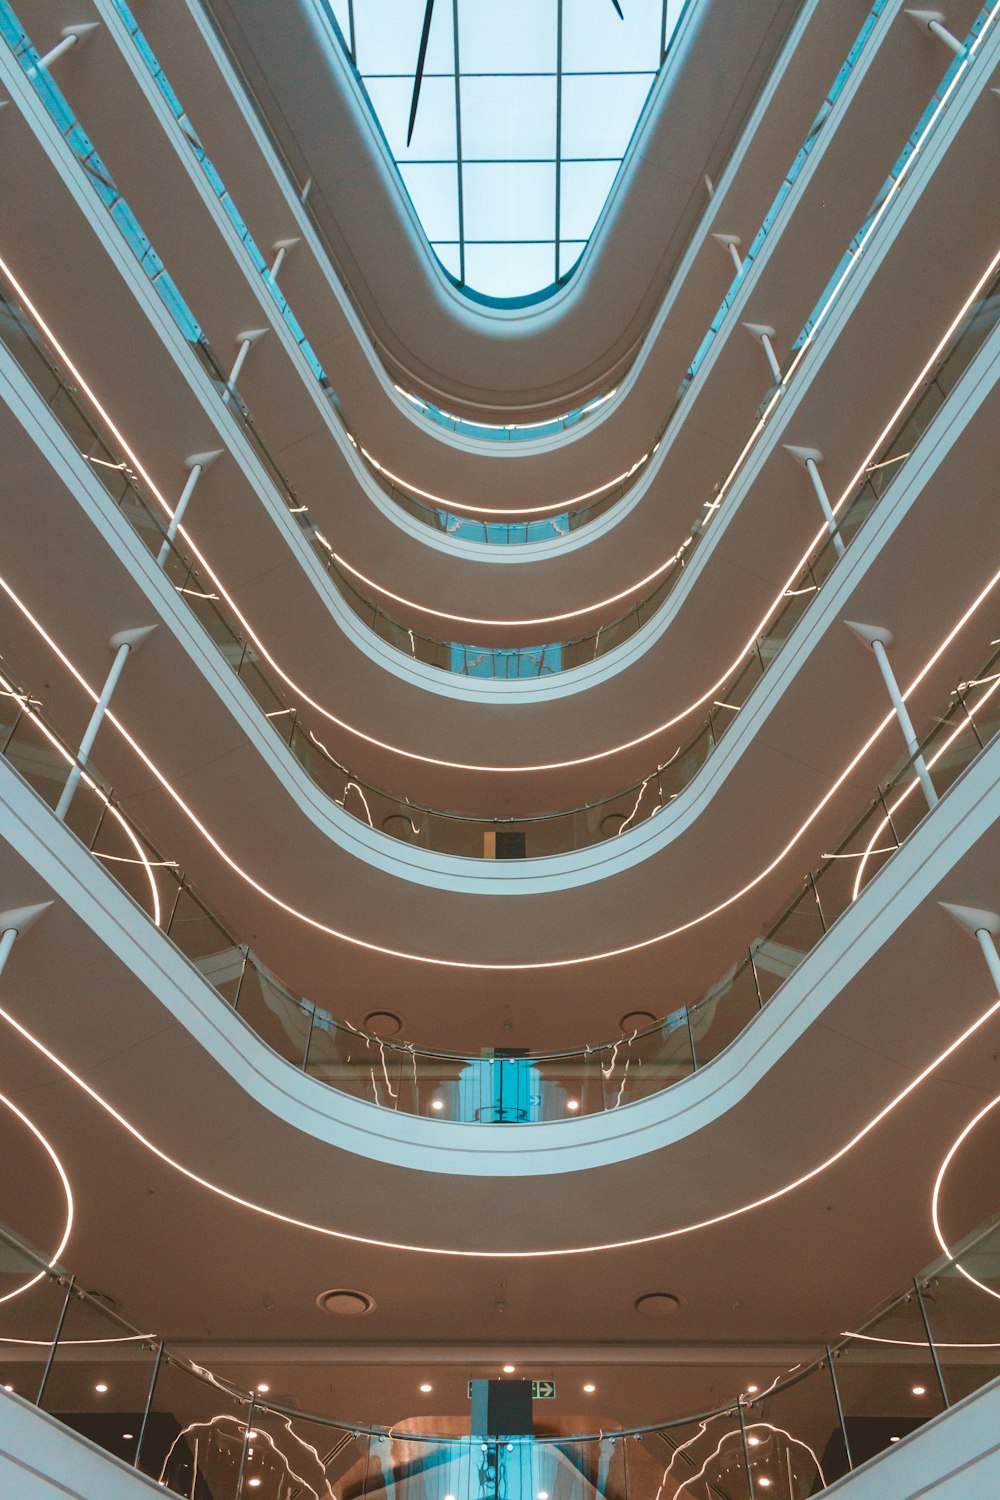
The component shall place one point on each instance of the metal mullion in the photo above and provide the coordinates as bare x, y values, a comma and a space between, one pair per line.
663, 33
557, 227
458, 143
352, 41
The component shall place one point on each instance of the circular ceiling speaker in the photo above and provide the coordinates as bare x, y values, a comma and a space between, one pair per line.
345, 1303
383, 1023
636, 1020
657, 1304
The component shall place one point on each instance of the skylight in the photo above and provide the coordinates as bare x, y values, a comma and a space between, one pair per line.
513, 151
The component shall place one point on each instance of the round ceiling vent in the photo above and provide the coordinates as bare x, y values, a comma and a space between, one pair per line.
345, 1303
636, 1020
657, 1304
383, 1023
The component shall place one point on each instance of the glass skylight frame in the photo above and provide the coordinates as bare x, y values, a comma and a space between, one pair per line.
510, 165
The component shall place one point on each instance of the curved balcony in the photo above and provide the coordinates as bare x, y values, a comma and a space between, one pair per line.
242, 242
430, 828
489, 1087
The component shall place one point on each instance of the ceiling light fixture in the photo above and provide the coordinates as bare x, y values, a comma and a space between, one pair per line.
919, 1390
590, 1388
600, 755
508, 1369
477, 965
752, 1389
68, 1204
101, 1388
263, 1388
666, 1234
572, 1104
426, 1388
437, 1104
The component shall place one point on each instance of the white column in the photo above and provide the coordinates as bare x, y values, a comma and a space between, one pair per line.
245, 342
879, 640
731, 243
933, 21
13, 923
281, 247
984, 927
70, 37
810, 459
122, 642
765, 333
197, 464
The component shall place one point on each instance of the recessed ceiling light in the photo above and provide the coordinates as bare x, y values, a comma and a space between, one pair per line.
263, 1388
657, 1304
751, 1389
382, 1023
764, 1482
127, 1435
919, 1390
252, 1435
894, 1440
543, 1495
253, 1483
426, 1388
345, 1301
437, 1104
754, 1442
8, 1387
572, 1104
508, 1369
100, 1388
590, 1388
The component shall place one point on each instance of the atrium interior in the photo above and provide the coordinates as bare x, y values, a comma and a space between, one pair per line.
487, 1011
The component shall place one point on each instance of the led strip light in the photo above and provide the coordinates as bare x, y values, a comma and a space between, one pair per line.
358, 942
647, 1239
412, 755
67, 1192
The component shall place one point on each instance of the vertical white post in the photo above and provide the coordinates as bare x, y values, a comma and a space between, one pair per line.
765, 334
933, 21
810, 459
731, 243
984, 927
122, 643
197, 463
13, 923
245, 341
70, 37
879, 639
282, 247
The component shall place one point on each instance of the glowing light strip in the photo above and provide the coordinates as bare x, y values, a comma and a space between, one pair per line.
463, 765
936, 1197
484, 512
864, 855
102, 796
559, 963
647, 1239
67, 1230
818, 322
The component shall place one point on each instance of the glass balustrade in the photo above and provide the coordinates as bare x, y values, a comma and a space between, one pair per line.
432, 828
462, 658
197, 1432
437, 515
493, 1088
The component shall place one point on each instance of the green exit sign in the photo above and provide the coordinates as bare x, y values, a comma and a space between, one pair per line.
541, 1390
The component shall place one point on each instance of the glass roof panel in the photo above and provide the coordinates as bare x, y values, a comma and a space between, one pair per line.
509, 157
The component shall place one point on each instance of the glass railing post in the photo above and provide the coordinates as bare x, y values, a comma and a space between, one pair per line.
819, 904
840, 1407
248, 1428
744, 1445
690, 1031
50, 1357
756, 980
239, 982
149, 1404
309, 1037
939, 1373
